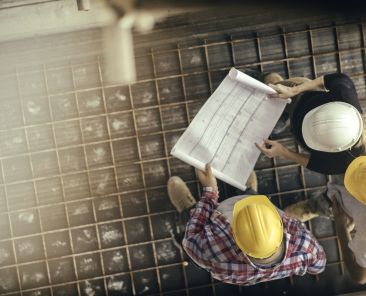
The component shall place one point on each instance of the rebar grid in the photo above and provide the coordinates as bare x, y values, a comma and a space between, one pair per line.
142, 166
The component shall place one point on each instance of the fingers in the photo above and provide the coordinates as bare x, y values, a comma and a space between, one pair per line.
274, 96
265, 141
278, 96
208, 170
282, 91
199, 173
263, 148
206, 178
273, 86
276, 88
260, 147
266, 151
270, 142
279, 87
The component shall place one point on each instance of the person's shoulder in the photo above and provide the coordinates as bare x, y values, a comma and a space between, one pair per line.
292, 226
336, 77
297, 232
340, 83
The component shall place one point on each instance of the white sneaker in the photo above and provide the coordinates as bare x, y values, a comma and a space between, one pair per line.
179, 194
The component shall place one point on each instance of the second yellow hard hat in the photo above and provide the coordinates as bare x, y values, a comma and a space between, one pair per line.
355, 178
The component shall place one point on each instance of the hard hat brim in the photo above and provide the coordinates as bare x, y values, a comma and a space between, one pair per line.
350, 182
238, 206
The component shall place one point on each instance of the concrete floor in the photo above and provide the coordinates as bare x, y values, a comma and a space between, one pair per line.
85, 160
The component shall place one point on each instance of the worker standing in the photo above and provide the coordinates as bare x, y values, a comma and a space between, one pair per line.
245, 239
349, 209
329, 125
325, 118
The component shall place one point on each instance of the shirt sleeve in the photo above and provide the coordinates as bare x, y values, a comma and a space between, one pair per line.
195, 241
329, 163
316, 255
317, 262
343, 88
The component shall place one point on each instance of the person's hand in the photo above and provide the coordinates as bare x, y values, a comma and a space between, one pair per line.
206, 178
340, 216
283, 92
271, 148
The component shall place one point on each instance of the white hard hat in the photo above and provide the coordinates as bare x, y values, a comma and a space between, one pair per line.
332, 127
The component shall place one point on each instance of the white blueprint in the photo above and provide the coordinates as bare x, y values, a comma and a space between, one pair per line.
237, 115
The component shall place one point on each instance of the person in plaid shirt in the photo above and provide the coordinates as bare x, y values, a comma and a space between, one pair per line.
218, 237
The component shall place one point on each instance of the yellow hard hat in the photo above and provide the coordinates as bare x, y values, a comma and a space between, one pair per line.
355, 178
257, 226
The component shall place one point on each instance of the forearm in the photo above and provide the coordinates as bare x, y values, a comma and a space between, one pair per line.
195, 241
299, 158
310, 85
201, 214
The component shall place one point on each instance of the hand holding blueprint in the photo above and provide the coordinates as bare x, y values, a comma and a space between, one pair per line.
224, 132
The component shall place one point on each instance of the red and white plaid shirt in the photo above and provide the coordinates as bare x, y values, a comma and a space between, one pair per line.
209, 242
